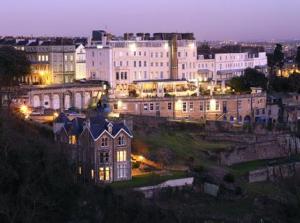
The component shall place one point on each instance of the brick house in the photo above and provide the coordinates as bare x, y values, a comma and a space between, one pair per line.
103, 147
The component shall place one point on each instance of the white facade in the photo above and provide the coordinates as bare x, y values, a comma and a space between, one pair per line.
227, 65
123, 62
80, 61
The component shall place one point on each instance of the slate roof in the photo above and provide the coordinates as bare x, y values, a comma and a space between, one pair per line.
98, 125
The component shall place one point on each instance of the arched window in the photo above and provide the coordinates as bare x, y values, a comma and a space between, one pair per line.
104, 141
121, 141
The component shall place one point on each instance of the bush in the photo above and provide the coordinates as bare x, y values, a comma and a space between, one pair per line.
198, 169
136, 165
229, 178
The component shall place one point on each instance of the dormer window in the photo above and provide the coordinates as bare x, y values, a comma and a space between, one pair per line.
121, 141
72, 140
104, 141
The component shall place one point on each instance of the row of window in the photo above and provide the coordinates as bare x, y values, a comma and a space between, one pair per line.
121, 141
105, 172
189, 106
104, 156
121, 75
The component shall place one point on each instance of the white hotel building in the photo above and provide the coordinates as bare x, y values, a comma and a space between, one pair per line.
125, 62
122, 63
224, 66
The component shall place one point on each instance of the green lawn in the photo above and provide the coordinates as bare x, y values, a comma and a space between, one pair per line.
150, 179
182, 143
244, 168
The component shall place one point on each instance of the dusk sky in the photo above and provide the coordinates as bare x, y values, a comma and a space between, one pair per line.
208, 19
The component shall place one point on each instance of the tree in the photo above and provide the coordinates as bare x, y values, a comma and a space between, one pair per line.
278, 56
13, 65
298, 57
251, 78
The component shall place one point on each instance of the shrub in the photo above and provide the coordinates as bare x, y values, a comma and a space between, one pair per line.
136, 165
229, 178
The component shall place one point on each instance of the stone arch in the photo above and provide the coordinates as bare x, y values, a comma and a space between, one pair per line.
87, 99
240, 119
78, 100
47, 101
36, 101
247, 119
67, 101
56, 101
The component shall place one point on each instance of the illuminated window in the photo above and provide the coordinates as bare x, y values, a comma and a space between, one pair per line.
101, 173
145, 107
121, 156
92, 174
79, 170
72, 139
107, 173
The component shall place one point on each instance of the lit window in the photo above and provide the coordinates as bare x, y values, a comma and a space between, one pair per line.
92, 174
145, 107
72, 139
104, 174
121, 156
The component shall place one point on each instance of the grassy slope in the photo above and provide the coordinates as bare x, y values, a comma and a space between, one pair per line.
181, 143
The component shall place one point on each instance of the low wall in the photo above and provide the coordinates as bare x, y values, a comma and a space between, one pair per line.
264, 147
273, 173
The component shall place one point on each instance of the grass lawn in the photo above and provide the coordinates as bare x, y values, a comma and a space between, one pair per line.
181, 143
150, 179
244, 168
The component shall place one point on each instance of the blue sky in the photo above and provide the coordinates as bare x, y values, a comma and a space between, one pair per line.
208, 19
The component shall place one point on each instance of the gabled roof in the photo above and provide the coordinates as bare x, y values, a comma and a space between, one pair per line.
96, 125
99, 125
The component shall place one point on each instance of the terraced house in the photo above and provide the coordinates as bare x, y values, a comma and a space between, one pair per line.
103, 147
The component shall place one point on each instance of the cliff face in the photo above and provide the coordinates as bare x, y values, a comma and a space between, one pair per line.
260, 147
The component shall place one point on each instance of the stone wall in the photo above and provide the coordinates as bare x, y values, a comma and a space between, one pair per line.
274, 173
259, 148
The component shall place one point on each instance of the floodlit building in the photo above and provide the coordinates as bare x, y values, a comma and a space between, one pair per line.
80, 62
231, 108
165, 56
52, 62
224, 66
